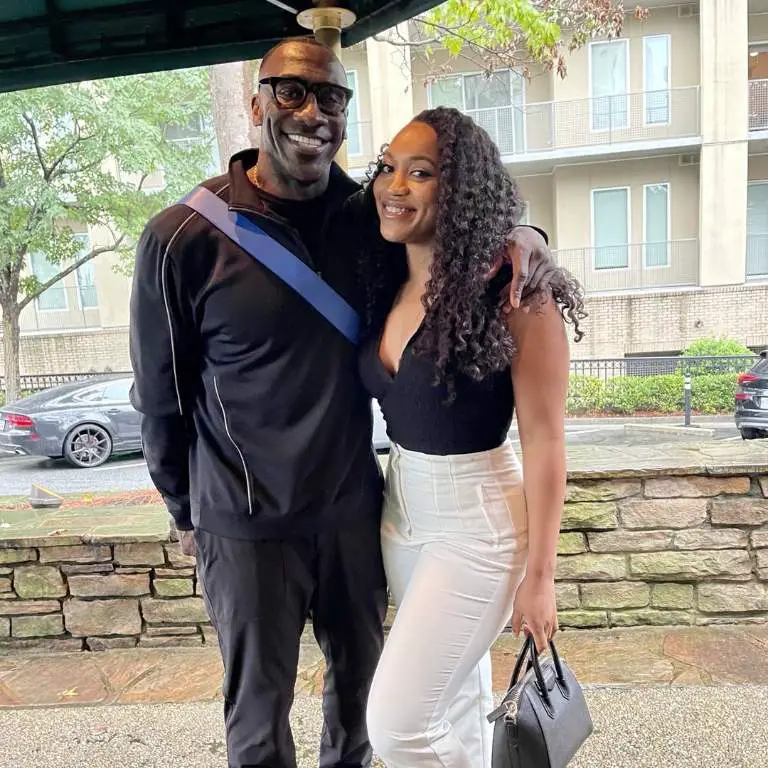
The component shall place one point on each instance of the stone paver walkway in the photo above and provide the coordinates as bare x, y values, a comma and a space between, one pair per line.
661, 656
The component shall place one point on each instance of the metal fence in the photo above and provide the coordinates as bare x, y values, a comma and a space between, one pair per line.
38, 381
611, 367
758, 105
604, 368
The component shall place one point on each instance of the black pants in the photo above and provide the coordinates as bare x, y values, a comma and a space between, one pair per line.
259, 595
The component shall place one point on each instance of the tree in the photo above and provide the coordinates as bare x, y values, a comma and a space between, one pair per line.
231, 91
77, 156
512, 34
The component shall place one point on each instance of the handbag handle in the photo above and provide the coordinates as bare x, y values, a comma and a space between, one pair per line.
529, 649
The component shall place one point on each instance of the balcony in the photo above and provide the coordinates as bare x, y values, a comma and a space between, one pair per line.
595, 125
633, 267
758, 105
757, 256
62, 307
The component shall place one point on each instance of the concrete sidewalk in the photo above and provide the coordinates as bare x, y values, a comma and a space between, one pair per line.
644, 727
695, 696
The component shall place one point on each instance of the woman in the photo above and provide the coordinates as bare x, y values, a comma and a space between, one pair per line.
464, 537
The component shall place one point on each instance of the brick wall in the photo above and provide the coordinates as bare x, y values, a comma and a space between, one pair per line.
74, 352
668, 322
618, 324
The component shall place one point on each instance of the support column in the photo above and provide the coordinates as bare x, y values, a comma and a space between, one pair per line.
390, 81
724, 152
326, 21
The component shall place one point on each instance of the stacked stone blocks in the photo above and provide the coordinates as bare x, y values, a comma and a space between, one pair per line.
659, 550
100, 596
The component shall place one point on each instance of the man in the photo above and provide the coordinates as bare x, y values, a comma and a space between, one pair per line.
255, 428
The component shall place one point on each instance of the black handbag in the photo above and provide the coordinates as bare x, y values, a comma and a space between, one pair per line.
543, 719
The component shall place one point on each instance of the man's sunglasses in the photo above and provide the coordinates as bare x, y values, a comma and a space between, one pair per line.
292, 93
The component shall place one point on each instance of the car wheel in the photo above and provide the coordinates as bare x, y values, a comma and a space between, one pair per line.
749, 434
88, 445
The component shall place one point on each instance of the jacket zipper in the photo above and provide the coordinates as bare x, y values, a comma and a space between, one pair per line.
237, 448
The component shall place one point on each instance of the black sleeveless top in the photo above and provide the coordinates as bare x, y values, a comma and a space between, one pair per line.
416, 412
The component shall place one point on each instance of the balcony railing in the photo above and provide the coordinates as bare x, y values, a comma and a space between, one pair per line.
62, 307
758, 105
360, 151
757, 255
604, 121
634, 266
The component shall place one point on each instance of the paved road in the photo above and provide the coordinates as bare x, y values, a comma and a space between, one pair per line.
17, 473
645, 727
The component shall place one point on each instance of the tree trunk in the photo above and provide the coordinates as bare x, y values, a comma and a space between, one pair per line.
231, 86
11, 353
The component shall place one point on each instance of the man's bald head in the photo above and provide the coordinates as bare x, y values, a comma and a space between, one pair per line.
293, 48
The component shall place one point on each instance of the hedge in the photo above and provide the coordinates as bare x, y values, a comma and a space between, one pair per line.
710, 393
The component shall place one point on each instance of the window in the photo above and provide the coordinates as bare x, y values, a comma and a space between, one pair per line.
656, 225
55, 298
656, 79
757, 229
86, 276
354, 137
609, 84
496, 103
92, 395
191, 133
610, 227
118, 391
198, 131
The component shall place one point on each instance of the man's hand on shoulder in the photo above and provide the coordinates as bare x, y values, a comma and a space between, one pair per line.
532, 265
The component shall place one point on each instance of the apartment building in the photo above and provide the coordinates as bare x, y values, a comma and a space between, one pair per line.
647, 164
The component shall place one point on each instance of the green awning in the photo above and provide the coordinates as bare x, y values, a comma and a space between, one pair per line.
43, 42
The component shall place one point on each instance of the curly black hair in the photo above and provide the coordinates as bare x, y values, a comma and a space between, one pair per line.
465, 328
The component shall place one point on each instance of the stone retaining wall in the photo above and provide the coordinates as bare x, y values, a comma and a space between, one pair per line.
664, 550
100, 596
637, 547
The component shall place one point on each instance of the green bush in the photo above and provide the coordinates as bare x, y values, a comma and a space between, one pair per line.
713, 393
711, 347
586, 394
716, 348
710, 393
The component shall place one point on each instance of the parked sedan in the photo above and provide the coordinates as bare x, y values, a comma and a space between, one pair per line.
752, 400
85, 422
380, 439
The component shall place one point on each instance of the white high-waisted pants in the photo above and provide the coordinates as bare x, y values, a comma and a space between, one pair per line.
454, 537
